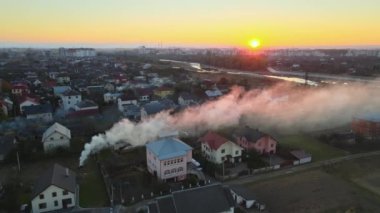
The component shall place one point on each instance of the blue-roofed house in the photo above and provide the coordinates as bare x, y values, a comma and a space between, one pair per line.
58, 90
167, 158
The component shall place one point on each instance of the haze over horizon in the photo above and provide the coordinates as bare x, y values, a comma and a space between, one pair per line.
169, 23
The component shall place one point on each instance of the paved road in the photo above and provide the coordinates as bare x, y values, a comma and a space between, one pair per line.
300, 168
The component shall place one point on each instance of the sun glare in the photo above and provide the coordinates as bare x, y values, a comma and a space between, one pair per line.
255, 43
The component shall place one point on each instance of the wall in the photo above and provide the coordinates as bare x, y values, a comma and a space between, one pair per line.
49, 199
50, 144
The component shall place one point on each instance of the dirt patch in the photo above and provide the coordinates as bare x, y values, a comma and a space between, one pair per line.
313, 191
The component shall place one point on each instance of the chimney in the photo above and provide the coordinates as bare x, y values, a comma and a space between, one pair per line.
67, 172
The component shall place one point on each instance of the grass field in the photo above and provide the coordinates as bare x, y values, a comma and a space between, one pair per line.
351, 185
92, 188
319, 151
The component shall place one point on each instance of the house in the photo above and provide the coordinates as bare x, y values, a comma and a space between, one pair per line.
163, 91
109, 87
144, 94
70, 98
111, 97
7, 144
125, 100
153, 108
84, 108
167, 158
213, 198
58, 90
20, 89
27, 101
253, 139
219, 149
54, 190
63, 78
186, 99
56, 136
213, 94
39, 112
301, 157
95, 90
132, 112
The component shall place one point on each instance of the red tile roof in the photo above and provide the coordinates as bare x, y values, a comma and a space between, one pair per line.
214, 140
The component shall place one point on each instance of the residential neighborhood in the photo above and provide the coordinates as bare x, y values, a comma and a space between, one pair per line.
87, 130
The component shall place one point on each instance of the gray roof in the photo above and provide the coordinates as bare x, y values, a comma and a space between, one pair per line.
252, 135
70, 92
38, 109
300, 154
206, 199
86, 103
245, 192
155, 107
55, 175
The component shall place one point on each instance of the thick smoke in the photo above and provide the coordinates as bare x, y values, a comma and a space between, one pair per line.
282, 107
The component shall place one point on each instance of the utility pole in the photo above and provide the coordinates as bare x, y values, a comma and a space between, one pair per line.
18, 162
306, 77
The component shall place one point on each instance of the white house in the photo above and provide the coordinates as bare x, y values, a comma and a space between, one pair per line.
70, 98
111, 97
126, 100
56, 136
54, 190
218, 149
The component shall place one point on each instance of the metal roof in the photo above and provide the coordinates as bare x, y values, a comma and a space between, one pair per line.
166, 148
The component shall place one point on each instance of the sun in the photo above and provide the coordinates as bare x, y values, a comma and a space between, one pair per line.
255, 43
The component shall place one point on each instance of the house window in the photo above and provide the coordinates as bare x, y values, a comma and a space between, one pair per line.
173, 170
272, 145
65, 192
61, 137
222, 158
237, 152
54, 194
69, 97
68, 102
56, 203
51, 138
166, 172
180, 169
223, 151
42, 196
42, 206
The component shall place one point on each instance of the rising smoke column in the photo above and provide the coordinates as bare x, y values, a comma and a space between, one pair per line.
283, 107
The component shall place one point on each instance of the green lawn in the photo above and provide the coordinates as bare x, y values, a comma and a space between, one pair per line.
92, 188
319, 151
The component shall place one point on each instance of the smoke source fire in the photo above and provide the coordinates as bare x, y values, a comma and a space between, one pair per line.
282, 107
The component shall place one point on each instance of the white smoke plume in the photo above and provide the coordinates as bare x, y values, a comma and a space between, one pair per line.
282, 107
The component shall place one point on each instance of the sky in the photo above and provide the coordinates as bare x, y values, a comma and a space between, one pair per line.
195, 23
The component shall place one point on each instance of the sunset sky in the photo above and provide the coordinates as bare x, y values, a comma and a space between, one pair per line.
219, 23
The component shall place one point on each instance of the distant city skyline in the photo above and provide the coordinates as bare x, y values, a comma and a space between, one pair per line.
172, 23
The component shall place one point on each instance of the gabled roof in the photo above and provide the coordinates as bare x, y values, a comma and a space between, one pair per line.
214, 140
55, 175
154, 107
86, 103
166, 148
206, 199
56, 127
252, 135
300, 154
38, 109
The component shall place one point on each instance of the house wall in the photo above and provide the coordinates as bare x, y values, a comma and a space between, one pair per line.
49, 199
120, 103
43, 116
70, 101
217, 156
175, 167
265, 144
56, 140
239, 199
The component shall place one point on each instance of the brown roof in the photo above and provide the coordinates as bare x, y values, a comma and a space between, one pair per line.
214, 140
